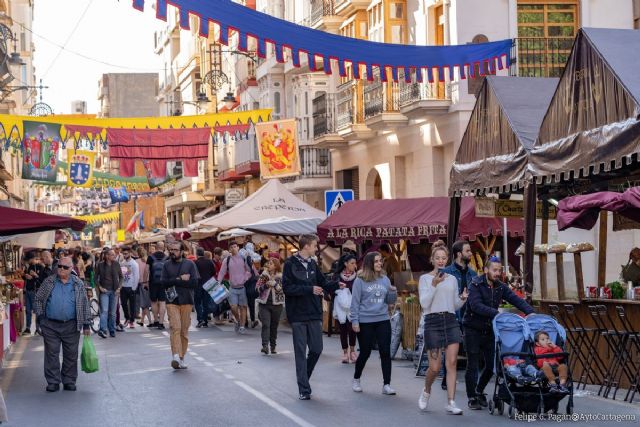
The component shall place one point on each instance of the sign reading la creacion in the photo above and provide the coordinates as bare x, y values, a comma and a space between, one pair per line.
381, 233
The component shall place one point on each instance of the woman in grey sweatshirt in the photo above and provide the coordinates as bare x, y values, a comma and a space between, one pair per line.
371, 295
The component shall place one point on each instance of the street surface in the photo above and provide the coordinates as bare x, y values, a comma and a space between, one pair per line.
230, 383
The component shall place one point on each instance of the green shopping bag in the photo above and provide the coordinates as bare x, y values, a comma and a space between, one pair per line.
89, 357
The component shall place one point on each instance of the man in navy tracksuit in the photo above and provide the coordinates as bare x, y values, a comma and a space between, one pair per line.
486, 293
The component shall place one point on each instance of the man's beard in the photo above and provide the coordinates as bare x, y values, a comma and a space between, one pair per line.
174, 257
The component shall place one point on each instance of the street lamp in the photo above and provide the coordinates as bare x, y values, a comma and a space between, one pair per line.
229, 101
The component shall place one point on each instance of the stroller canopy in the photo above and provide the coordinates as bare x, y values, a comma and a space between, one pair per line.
544, 322
510, 331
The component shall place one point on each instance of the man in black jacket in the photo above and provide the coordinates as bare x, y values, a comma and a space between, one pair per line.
486, 293
304, 284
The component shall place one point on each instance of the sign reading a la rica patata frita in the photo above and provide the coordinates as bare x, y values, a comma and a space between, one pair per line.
233, 196
496, 208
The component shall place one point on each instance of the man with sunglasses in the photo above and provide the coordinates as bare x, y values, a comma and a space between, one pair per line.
63, 309
486, 293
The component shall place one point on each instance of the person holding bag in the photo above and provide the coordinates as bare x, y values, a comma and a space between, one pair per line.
270, 301
371, 295
345, 276
179, 279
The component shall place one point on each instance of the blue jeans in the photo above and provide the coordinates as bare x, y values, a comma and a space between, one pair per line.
201, 299
522, 370
29, 302
108, 308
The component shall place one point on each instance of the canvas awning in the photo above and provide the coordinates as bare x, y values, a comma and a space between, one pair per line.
271, 202
503, 127
593, 121
284, 226
583, 211
20, 221
408, 219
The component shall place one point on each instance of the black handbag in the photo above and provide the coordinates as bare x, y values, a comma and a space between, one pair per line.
250, 284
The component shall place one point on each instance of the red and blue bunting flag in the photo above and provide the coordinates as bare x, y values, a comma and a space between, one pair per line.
325, 47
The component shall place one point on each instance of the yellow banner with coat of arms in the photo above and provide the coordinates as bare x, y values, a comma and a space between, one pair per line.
81, 165
278, 147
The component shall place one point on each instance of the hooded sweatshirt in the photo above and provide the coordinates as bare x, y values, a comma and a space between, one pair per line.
370, 300
130, 274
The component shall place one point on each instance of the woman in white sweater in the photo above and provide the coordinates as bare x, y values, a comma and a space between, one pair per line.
439, 300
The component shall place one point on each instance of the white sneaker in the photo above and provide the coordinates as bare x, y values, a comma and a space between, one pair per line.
388, 390
242, 330
355, 385
175, 362
423, 400
183, 365
453, 409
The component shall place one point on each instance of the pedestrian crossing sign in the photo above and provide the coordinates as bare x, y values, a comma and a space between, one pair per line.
334, 199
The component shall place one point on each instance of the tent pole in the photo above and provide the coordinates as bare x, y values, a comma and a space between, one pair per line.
454, 220
505, 245
530, 199
602, 249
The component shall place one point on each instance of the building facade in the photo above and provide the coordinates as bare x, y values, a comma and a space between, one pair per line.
396, 140
17, 89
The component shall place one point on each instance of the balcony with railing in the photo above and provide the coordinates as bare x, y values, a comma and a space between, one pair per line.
418, 99
345, 8
325, 126
323, 16
315, 171
349, 102
247, 161
382, 105
225, 152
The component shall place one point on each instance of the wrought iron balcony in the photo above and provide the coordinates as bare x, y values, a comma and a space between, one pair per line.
320, 9
346, 102
314, 162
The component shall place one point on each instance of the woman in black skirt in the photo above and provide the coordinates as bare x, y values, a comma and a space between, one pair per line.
439, 300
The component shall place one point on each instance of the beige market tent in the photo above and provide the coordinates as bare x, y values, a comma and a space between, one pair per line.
271, 205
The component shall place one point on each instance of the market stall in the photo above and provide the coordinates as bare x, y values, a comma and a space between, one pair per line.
589, 143
410, 226
21, 228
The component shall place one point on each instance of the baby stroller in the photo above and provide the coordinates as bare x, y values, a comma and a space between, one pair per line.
513, 339
557, 335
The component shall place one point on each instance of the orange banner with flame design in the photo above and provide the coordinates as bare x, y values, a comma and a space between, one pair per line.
278, 146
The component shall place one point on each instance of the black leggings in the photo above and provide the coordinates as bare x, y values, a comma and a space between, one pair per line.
347, 336
370, 333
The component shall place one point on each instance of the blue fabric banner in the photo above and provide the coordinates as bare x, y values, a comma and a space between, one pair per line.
321, 47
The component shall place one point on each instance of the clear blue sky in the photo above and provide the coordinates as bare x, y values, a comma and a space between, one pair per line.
110, 31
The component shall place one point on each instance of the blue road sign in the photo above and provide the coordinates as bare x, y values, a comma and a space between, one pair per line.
334, 199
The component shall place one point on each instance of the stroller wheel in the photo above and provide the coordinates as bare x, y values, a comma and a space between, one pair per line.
512, 412
500, 407
569, 408
492, 407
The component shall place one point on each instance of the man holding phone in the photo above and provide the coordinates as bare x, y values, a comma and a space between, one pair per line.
179, 280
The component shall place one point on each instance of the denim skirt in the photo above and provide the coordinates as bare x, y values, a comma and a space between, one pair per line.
440, 330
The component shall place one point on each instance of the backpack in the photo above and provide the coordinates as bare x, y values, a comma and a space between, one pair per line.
156, 268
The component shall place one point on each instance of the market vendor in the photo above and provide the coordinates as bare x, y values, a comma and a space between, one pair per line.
486, 293
631, 271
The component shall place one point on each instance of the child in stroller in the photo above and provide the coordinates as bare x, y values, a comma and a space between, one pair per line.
521, 371
550, 365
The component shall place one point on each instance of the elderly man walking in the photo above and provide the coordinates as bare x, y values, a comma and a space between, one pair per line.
63, 309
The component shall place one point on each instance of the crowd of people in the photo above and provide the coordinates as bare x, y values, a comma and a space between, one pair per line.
458, 306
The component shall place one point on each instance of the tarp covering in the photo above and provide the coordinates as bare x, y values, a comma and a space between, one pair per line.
503, 127
40, 240
408, 219
271, 201
583, 211
20, 221
300, 40
593, 120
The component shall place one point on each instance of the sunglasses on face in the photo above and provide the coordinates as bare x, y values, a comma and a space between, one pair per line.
65, 267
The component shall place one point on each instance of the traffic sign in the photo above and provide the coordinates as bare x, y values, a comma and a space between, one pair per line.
334, 199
